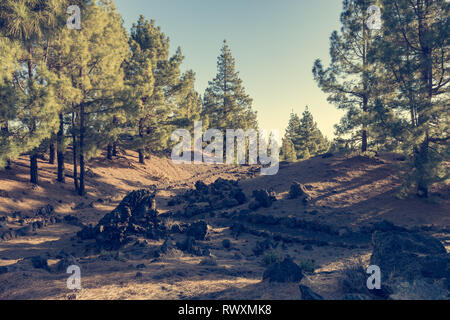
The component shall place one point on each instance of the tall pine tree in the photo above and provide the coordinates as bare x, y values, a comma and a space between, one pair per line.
414, 104
347, 80
225, 102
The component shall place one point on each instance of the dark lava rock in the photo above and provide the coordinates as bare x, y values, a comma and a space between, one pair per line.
240, 197
297, 190
308, 294
264, 198
3, 270
193, 210
409, 255
238, 228
356, 296
65, 263
135, 216
141, 266
190, 246
226, 244
198, 230
167, 246
45, 211
261, 247
87, 233
39, 262
285, 271
201, 187
74, 221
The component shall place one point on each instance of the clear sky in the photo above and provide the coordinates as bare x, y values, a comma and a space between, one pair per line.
274, 42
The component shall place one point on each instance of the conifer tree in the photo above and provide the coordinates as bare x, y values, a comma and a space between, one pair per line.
311, 140
99, 94
413, 105
348, 80
288, 152
225, 102
293, 132
150, 49
30, 23
305, 136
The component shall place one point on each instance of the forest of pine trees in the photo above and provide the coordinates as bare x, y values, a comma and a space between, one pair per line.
73, 94
393, 84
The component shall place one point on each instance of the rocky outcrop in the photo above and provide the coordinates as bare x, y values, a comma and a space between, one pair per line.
409, 255
135, 216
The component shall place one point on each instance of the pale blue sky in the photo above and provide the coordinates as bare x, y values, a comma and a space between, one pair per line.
274, 42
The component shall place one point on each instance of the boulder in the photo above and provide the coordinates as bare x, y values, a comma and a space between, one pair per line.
285, 271
39, 262
198, 230
264, 198
308, 294
409, 255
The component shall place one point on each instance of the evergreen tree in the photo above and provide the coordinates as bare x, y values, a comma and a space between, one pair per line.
150, 49
348, 80
96, 54
9, 56
413, 105
292, 131
311, 140
225, 102
288, 152
305, 136
31, 24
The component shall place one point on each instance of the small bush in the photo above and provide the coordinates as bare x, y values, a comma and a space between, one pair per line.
308, 266
271, 257
354, 278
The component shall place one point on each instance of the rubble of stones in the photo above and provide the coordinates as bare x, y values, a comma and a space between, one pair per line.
136, 216
28, 224
222, 194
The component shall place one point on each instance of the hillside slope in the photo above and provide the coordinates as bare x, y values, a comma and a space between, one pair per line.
348, 195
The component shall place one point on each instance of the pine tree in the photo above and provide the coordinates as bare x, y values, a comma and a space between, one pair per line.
30, 23
288, 152
312, 142
347, 80
292, 131
150, 49
99, 94
9, 56
225, 102
305, 136
413, 107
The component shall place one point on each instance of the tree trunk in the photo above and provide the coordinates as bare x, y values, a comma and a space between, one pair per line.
81, 190
114, 149
75, 155
109, 153
34, 179
60, 150
5, 132
52, 153
141, 134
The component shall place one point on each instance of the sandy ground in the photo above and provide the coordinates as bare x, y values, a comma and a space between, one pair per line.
347, 193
